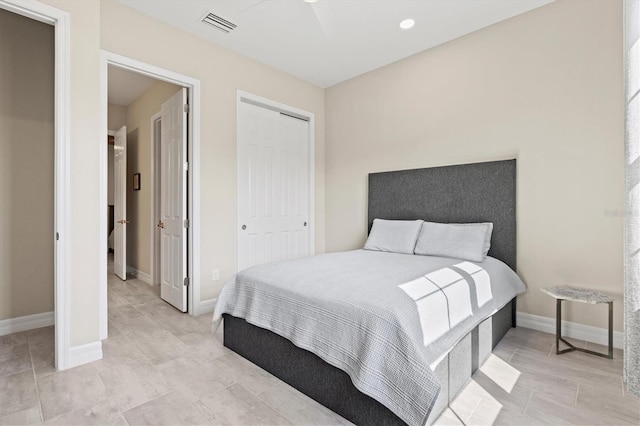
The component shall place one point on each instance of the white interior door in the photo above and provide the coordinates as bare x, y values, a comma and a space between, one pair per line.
157, 196
120, 203
273, 186
173, 204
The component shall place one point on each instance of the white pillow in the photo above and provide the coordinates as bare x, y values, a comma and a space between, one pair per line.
467, 241
396, 236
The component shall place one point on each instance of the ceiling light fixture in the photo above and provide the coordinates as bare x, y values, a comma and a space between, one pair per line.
406, 24
310, 1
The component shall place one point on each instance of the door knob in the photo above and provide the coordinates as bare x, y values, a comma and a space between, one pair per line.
305, 224
160, 224
244, 227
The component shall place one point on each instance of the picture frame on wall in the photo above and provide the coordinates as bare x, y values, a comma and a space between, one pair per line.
136, 181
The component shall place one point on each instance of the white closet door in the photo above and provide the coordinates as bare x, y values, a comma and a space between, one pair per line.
173, 204
273, 186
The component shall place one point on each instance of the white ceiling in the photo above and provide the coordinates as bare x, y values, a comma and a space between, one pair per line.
126, 86
333, 40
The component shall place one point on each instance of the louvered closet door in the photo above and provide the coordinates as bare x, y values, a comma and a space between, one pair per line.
273, 186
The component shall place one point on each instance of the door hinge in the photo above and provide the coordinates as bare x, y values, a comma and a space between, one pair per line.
186, 108
57, 236
186, 281
186, 223
185, 166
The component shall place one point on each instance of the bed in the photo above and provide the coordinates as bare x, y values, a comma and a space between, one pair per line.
481, 192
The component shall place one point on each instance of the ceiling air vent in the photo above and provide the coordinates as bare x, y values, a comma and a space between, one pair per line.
219, 23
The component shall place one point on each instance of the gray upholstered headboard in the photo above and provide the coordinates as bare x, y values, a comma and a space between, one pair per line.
478, 192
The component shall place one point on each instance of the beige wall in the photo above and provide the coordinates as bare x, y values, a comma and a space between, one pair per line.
139, 151
221, 72
85, 145
26, 166
545, 88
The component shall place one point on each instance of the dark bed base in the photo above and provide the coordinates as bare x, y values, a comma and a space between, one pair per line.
319, 380
306, 372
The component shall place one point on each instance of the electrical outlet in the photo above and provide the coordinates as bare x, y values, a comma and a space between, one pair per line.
215, 274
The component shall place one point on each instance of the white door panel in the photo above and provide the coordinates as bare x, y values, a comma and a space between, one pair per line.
173, 205
120, 203
273, 186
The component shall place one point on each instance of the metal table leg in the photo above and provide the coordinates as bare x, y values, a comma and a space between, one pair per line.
573, 348
610, 329
558, 324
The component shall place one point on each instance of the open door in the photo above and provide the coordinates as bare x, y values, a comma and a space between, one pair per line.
173, 204
120, 203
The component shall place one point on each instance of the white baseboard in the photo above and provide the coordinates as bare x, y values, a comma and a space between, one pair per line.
27, 322
83, 354
142, 276
570, 329
206, 306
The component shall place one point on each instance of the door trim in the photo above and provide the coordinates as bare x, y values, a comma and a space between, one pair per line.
61, 22
193, 86
299, 113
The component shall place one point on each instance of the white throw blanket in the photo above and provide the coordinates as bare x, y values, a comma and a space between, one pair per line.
383, 318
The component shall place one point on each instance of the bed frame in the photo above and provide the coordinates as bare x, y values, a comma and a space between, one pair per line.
479, 192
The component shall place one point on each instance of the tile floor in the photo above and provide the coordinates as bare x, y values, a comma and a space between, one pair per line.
162, 367
524, 382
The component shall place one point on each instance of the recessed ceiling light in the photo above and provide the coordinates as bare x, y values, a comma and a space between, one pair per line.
310, 1
406, 24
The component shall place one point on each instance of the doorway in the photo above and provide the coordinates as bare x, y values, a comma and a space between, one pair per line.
133, 99
176, 181
60, 240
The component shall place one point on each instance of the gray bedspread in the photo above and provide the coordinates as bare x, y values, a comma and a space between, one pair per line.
386, 319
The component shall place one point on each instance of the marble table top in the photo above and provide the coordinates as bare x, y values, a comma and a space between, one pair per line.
574, 294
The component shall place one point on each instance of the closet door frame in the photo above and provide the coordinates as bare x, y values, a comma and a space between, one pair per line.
243, 96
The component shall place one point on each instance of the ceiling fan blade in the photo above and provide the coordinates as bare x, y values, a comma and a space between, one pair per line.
322, 11
251, 6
